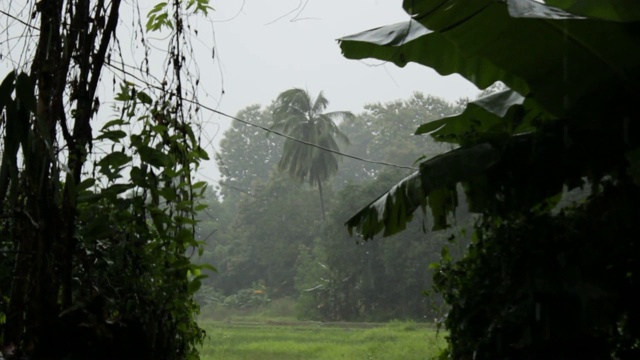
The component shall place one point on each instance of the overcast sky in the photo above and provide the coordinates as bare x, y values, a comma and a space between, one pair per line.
265, 47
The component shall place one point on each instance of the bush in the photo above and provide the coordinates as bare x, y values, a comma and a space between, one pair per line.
251, 298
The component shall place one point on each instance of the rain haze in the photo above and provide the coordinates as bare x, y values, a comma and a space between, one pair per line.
263, 48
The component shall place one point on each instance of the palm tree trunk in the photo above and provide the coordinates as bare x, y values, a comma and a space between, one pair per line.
321, 200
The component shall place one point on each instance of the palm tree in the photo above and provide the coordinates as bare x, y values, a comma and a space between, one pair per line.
297, 116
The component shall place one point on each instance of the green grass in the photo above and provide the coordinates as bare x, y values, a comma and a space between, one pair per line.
295, 340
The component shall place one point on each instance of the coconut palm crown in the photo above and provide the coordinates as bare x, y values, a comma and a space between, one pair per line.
302, 118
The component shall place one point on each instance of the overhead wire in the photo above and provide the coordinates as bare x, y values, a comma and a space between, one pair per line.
19, 20
266, 129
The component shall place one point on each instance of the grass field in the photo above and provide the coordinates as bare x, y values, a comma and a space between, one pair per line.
297, 340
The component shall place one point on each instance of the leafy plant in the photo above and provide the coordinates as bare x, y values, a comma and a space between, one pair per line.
136, 233
558, 111
159, 16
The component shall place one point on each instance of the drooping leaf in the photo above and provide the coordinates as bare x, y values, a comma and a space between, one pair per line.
208, 267
168, 193
115, 159
113, 135
111, 123
138, 176
199, 184
117, 189
144, 98
501, 114
153, 156
194, 285
202, 153
392, 211
86, 184
442, 202
89, 197
200, 207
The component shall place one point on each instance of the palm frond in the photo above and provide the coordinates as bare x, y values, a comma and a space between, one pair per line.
296, 115
320, 104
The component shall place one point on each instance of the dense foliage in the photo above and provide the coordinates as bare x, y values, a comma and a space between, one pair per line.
96, 221
246, 155
562, 285
542, 278
271, 245
340, 279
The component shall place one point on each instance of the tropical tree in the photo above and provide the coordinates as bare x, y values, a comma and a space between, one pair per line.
381, 132
245, 154
371, 281
313, 137
268, 232
263, 239
538, 281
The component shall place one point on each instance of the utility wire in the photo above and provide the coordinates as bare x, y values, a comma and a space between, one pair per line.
296, 139
194, 102
242, 120
19, 20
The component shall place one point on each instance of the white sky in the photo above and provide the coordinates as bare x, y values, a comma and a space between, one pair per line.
261, 56
266, 47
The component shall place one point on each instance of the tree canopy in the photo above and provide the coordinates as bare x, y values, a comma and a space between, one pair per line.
271, 246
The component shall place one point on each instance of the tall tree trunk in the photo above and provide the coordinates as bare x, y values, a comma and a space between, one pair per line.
321, 200
38, 225
72, 35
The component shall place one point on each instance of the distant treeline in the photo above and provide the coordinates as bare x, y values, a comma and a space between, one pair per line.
264, 233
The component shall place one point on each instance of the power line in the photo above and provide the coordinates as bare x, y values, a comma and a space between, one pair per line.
19, 20
194, 102
296, 139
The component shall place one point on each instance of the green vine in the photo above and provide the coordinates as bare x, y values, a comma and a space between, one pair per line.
138, 227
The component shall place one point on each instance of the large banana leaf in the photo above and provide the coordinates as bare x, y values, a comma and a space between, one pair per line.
487, 118
535, 49
613, 10
410, 41
526, 170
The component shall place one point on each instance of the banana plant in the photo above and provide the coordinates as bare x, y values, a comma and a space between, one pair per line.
571, 69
